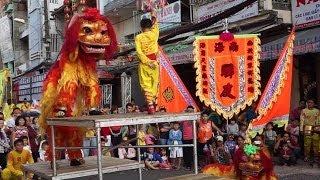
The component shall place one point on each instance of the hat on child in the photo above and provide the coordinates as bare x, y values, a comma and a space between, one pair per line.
219, 138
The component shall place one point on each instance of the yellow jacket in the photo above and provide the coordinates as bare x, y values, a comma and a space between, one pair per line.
147, 43
309, 117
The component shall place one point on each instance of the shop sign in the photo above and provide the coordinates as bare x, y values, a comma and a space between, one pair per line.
209, 10
306, 42
168, 16
182, 57
305, 13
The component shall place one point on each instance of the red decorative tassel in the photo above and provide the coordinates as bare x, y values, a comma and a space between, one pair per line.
226, 36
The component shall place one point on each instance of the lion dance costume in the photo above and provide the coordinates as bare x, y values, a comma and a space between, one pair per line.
147, 51
72, 82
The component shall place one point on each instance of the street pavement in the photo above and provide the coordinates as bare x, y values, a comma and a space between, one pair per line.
300, 172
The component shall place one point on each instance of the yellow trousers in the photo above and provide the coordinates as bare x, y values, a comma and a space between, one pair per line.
149, 82
8, 175
311, 140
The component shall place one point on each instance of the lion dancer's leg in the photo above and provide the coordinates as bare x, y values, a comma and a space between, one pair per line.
59, 142
75, 139
147, 83
155, 76
64, 136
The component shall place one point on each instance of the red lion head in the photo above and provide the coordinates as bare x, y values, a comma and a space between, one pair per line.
92, 32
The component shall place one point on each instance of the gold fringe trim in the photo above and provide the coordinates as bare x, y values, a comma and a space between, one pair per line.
257, 85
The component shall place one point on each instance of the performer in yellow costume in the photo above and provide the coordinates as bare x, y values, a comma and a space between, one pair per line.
16, 159
147, 51
308, 120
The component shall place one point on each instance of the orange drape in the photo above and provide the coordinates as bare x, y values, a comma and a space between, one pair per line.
173, 95
274, 104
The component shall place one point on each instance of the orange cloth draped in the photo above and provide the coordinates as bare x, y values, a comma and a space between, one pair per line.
227, 72
274, 104
173, 95
219, 170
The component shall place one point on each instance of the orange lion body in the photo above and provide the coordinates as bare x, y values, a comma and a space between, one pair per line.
72, 82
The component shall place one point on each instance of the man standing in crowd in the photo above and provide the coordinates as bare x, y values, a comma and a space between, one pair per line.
308, 120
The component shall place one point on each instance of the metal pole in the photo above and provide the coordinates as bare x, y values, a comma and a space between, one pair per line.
195, 154
139, 154
53, 147
99, 159
191, 10
98, 5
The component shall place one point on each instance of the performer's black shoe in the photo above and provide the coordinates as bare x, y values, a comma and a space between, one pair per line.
75, 162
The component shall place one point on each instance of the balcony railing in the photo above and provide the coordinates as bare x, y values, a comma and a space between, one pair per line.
117, 4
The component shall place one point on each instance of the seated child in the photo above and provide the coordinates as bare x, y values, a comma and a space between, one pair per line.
126, 153
44, 147
270, 137
105, 151
222, 156
17, 158
231, 144
153, 159
286, 156
165, 161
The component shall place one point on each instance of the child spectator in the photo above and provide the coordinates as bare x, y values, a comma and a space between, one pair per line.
16, 158
222, 156
270, 137
187, 134
293, 130
44, 147
233, 127
149, 137
165, 161
230, 144
127, 153
141, 136
105, 151
175, 138
287, 140
286, 156
243, 131
164, 129
26, 144
33, 135
153, 159
205, 132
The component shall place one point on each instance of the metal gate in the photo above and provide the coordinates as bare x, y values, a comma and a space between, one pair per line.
125, 90
106, 92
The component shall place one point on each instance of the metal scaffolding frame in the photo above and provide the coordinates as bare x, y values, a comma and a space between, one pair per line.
98, 122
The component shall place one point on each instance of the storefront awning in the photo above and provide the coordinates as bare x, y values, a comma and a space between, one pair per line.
307, 41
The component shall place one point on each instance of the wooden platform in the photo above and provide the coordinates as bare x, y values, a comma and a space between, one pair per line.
122, 119
65, 171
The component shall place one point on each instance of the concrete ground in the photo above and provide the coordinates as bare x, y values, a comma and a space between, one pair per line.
302, 171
